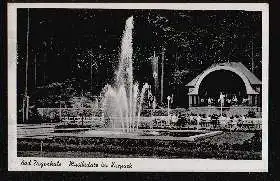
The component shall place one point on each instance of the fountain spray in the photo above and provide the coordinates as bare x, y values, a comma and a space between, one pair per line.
122, 103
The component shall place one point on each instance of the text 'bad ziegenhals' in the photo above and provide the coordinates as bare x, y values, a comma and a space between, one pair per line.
41, 164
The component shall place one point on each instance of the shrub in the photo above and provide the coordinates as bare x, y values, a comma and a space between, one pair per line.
251, 114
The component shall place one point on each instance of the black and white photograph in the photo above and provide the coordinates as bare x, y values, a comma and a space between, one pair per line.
95, 85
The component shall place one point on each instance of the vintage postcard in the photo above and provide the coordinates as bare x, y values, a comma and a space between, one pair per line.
138, 87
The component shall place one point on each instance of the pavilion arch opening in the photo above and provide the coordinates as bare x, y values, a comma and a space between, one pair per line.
225, 81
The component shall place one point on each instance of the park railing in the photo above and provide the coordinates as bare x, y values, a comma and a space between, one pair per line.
169, 122
159, 118
68, 112
208, 110
229, 111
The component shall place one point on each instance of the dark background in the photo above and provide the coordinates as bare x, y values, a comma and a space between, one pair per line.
274, 143
65, 42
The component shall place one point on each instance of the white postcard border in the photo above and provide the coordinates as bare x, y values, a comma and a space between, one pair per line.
138, 164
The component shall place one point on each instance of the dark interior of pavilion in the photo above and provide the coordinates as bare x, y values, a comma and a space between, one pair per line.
225, 82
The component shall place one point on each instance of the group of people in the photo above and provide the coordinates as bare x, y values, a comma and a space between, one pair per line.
207, 120
224, 101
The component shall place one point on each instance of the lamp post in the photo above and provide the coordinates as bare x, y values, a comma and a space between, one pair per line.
154, 107
60, 110
168, 100
221, 101
221, 108
27, 107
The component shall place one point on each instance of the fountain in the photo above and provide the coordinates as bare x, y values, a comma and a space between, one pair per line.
122, 102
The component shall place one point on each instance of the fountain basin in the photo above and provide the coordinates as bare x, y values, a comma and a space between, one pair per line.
184, 135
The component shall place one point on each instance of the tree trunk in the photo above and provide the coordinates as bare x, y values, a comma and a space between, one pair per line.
162, 75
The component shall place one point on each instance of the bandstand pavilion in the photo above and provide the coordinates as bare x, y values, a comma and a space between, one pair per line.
230, 78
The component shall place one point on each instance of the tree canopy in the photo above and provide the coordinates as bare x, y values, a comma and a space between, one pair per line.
84, 45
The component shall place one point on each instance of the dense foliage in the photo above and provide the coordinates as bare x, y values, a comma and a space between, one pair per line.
76, 51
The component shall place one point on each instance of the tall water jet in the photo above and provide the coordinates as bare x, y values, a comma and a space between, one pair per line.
124, 73
122, 103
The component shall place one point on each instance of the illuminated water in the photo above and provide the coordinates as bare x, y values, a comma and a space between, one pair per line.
122, 103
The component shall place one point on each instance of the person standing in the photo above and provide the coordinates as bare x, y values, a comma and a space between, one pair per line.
222, 99
209, 101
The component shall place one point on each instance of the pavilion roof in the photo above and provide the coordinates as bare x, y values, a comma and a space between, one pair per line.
237, 66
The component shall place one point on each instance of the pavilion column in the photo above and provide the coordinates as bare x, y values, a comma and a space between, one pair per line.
198, 100
256, 100
190, 101
194, 100
250, 97
259, 100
